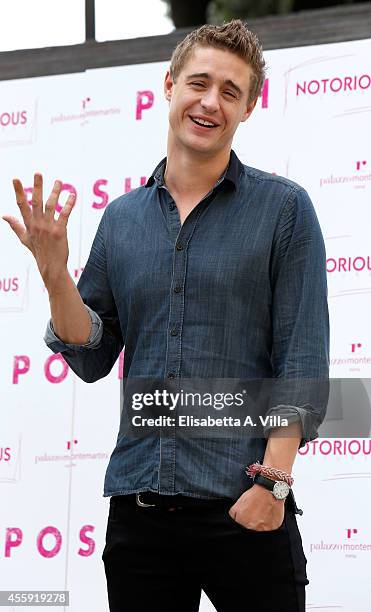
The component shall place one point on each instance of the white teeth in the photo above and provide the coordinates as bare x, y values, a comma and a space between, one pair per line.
203, 122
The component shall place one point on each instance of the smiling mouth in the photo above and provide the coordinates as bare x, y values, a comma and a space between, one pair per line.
202, 124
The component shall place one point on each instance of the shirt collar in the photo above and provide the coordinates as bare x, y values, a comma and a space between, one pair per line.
230, 175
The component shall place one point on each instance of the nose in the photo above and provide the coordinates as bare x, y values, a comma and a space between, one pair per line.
210, 100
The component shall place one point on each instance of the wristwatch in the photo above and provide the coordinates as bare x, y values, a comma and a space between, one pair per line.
279, 488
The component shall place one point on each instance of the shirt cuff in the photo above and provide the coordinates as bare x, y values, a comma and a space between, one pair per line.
95, 337
293, 414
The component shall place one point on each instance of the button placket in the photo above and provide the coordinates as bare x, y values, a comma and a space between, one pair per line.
173, 353
166, 472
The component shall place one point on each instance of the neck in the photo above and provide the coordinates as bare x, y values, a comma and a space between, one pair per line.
190, 173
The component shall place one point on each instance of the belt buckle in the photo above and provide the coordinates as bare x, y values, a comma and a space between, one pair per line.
141, 503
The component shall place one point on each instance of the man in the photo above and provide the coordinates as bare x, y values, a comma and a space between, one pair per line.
214, 271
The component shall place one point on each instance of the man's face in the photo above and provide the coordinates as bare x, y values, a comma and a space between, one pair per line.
212, 87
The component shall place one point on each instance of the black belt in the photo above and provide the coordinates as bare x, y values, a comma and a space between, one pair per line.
148, 499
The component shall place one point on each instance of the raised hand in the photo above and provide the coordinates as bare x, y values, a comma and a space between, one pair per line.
43, 234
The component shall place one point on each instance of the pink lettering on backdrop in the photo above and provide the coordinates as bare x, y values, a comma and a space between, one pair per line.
144, 102
336, 84
128, 186
86, 540
11, 542
21, 365
355, 345
337, 447
58, 542
264, 94
77, 272
5, 453
347, 83
342, 263
365, 81
28, 192
349, 264
13, 118
104, 196
65, 187
100, 193
71, 190
121, 364
360, 163
47, 368
9, 284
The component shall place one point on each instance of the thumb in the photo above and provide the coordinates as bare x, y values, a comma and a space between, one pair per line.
16, 226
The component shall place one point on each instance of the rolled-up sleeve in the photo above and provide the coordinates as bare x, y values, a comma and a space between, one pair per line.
300, 321
94, 339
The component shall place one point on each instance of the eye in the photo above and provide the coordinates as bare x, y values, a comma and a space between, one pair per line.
230, 94
198, 84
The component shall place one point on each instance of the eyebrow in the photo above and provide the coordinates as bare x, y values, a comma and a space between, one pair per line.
205, 75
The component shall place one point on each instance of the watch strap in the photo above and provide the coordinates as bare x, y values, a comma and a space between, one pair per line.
268, 483
279, 488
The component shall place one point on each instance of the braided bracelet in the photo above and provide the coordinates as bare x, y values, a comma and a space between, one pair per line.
269, 472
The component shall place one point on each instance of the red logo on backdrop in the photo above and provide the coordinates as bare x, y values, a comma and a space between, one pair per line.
70, 459
354, 359
358, 179
360, 165
85, 113
71, 444
355, 346
76, 272
13, 118
85, 102
351, 549
333, 85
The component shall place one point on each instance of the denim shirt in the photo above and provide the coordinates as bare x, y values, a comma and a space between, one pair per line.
238, 291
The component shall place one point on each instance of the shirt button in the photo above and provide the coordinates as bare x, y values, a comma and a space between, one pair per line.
177, 288
179, 247
174, 332
170, 375
172, 206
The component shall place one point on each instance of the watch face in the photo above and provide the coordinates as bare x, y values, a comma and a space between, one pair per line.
281, 489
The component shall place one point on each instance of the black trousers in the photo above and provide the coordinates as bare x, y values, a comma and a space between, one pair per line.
159, 559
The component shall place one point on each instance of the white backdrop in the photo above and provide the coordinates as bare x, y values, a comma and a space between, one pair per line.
102, 133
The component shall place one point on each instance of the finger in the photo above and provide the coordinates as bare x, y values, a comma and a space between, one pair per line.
52, 200
66, 210
37, 196
22, 202
16, 226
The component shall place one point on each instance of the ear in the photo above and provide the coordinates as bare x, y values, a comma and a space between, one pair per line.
168, 86
249, 109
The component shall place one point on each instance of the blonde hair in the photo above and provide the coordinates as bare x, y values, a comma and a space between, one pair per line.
233, 36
